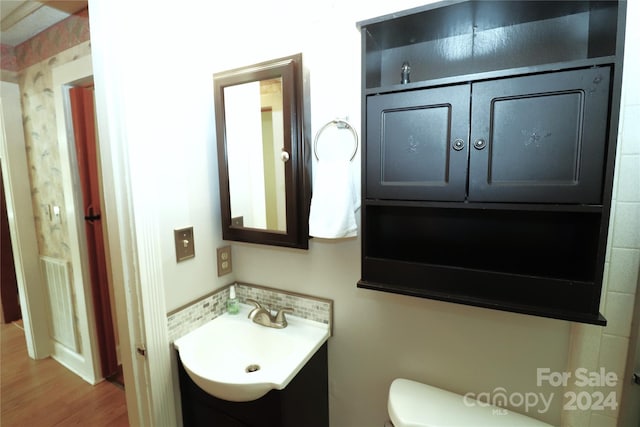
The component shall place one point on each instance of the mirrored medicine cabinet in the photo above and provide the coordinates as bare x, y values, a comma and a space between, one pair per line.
263, 155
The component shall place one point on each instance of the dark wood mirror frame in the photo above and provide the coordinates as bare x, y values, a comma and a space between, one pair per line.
296, 143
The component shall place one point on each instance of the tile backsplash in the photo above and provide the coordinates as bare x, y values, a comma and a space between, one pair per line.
187, 318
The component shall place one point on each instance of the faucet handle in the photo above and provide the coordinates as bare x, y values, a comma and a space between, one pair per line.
255, 303
256, 307
280, 317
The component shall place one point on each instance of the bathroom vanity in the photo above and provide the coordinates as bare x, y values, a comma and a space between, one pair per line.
235, 371
303, 402
490, 130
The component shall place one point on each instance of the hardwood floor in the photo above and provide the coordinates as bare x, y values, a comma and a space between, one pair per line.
44, 393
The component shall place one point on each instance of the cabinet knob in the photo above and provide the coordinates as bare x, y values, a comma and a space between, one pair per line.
458, 144
480, 144
284, 156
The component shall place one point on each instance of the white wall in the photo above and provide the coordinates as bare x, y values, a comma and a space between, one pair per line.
33, 299
378, 336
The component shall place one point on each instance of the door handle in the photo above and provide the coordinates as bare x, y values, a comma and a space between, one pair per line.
636, 378
91, 216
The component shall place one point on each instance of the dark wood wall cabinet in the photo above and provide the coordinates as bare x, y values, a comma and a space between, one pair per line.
490, 131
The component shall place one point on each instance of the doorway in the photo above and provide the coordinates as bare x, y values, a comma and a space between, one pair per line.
67, 315
9, 302
81, 101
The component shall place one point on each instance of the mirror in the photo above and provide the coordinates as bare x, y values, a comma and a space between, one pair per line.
255, 154
263, 155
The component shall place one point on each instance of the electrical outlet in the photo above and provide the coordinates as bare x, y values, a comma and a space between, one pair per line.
224, 260
185, 248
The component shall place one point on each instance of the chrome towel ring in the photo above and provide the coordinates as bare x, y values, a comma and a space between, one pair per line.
340, 124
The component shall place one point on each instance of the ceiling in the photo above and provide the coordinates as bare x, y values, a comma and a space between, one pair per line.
21, 20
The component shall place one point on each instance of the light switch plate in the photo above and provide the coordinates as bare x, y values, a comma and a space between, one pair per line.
185, 247
224, 260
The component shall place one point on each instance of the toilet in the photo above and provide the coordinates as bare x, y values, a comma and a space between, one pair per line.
413, 404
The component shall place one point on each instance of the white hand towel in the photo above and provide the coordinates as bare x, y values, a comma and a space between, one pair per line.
335, 200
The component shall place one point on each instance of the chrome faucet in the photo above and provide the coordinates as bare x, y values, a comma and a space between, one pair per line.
262, 316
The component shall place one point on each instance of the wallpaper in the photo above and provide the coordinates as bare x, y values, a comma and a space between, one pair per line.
43, 158
34, 60
57, 38
8, 60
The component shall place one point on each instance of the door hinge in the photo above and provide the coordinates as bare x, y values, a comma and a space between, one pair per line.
142, 351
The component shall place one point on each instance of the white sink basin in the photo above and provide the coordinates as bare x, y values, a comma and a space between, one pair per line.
234, 359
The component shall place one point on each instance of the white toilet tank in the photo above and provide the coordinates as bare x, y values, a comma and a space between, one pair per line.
413, 404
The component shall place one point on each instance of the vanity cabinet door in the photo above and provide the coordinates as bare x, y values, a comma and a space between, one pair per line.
417, 144
540, 138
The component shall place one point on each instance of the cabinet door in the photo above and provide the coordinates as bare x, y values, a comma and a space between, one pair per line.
417, 144
540, 138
